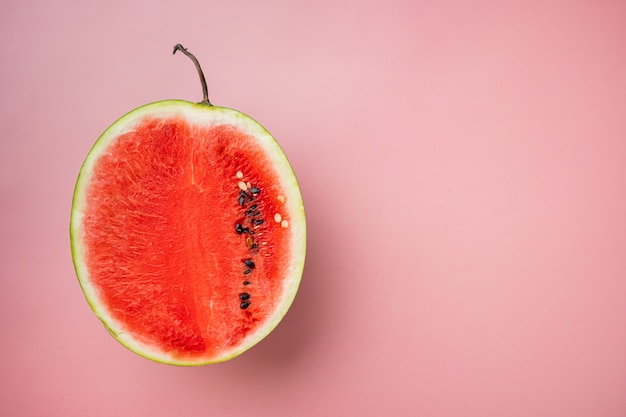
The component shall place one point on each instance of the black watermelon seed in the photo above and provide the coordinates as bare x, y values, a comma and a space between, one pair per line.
259, 221
239, 228
254, 190
247, 271
246, 283
242, 200
244, 296
244, 305
249, 263
254, 246
252, 213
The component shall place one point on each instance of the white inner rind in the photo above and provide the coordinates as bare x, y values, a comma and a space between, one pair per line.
204, 116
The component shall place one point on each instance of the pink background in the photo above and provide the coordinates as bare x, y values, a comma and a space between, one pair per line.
463, 166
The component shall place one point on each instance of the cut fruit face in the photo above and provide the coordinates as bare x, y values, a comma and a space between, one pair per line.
174, 232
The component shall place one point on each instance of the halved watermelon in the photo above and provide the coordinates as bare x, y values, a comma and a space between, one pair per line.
188, 232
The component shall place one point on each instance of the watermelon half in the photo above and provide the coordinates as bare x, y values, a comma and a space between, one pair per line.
188, 232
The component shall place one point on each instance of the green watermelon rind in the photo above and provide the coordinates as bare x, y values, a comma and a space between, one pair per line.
197, 113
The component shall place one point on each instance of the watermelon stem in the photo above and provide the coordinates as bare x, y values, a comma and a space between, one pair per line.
205, 91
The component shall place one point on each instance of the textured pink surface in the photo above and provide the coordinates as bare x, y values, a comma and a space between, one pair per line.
464, 171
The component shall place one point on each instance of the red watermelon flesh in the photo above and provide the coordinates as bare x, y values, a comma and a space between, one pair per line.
188, 232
